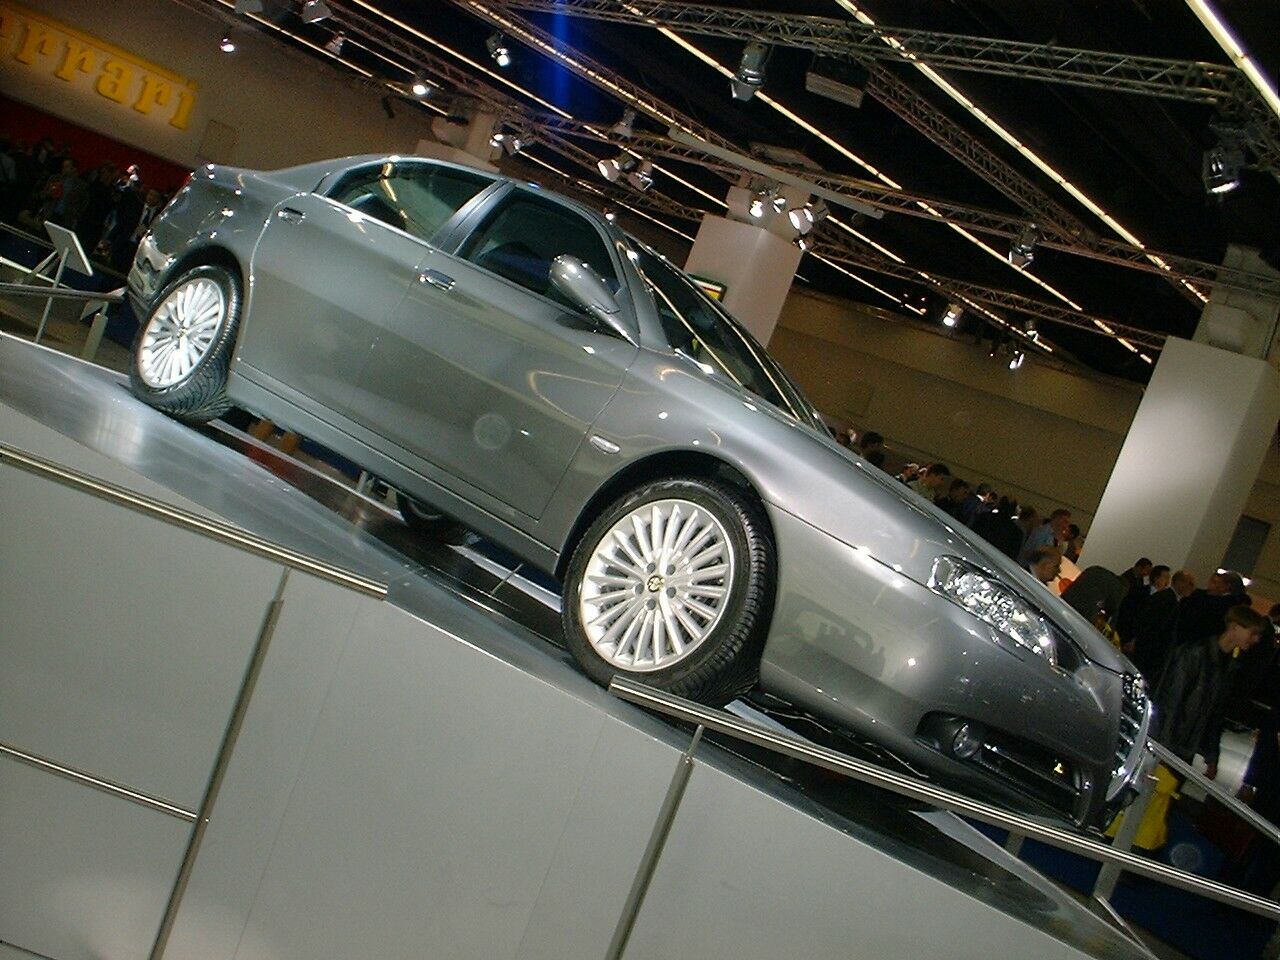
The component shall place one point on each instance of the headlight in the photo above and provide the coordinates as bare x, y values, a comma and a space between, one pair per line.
994, 604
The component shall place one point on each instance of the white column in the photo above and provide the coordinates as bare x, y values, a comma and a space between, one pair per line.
463, 142
1189, 460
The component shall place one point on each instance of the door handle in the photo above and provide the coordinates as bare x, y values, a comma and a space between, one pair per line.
290, 215
437, 279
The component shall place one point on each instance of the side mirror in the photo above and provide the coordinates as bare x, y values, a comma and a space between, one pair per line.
586, 289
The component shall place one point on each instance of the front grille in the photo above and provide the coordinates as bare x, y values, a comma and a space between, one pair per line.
1135, 721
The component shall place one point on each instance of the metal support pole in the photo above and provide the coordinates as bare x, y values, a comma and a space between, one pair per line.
657, 840
1109, 875
36, 271
96, 329
48, 304
1013, 843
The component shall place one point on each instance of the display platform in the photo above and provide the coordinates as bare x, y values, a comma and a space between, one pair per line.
425, 774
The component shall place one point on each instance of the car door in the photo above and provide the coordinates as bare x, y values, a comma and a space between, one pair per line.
486, 375
330, 268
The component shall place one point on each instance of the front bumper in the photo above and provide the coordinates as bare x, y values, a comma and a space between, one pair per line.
858, 642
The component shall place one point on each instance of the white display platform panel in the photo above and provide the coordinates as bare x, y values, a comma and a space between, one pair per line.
415, 777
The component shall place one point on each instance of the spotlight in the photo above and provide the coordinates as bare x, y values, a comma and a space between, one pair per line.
626, 126
499, 50
1220, 168
952, 317
511, 143
226, 44
610, 215
642, 176
1017, 359
804, 243
313, 11
613, 169
779, 203
757, 207
751, 70
335, 43
1023, 248
421, 85
809, 216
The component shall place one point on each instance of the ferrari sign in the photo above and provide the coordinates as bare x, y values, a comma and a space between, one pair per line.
31, 41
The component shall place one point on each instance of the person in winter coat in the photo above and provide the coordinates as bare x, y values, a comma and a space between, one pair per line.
1189, 699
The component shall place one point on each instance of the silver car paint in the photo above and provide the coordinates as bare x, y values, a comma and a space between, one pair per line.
856, 633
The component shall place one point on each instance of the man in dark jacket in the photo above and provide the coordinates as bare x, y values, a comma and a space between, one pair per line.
1189, 699
1153, 636
1202, 612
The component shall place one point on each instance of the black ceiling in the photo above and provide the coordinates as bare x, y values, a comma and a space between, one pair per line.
1139, 157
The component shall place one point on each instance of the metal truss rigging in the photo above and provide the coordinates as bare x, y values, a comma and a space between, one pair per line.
1218, 84
1154, 76
894, 93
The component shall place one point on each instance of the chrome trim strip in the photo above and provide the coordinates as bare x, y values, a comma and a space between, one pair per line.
791, 746
220, 764
97, 783
178, 517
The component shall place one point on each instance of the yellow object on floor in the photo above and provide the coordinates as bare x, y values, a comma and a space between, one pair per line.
1153, 831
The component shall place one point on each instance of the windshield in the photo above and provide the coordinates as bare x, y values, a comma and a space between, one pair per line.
698, 327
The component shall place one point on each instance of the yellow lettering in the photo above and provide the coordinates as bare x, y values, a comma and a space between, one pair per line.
156, 92
181, 116
37, 42
116, 79
78, 59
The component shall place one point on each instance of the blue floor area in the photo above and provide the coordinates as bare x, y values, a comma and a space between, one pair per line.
1199, 928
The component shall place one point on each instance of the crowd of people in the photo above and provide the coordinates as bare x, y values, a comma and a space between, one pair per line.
108, 209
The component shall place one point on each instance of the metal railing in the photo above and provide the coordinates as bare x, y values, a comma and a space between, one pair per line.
1018, 825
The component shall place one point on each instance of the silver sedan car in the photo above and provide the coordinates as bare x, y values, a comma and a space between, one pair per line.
507, 358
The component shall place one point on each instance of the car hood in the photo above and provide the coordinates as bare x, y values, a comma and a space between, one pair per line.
929, 533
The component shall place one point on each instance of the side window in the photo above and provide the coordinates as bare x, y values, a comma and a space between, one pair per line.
415, 198
519, 240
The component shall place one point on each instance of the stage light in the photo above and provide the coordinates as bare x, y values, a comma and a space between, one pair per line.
1017, 360
511, 143
610, 215
313, 11
779, 203
642, 176
952, 317
751, 70
626, 126
757, 207
227, 44
804, 243
335, 43
1023, 248
613, 168
1221, 166
499, 50
421, 85
809, 216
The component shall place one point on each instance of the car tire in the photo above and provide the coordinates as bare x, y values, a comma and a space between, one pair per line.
421, 517
183, 349
716, 605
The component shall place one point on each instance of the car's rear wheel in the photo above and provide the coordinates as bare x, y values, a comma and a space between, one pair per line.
672, 586
183, 348
422, 517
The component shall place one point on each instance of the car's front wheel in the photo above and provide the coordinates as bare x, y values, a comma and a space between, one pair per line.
183, 349
672, 586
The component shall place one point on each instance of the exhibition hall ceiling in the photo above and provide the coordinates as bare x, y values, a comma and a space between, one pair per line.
986, 150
